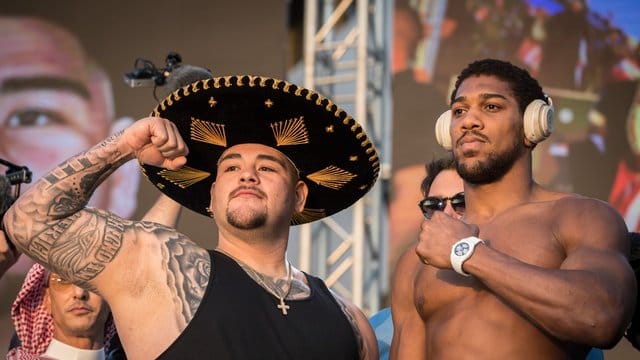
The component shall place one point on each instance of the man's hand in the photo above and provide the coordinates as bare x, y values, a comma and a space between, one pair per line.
8, 254
437, 236
156, 141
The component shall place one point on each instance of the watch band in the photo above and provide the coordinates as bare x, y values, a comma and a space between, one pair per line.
461, 251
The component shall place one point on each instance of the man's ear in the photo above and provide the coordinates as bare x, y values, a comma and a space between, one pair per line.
123, 183
301, 195
529, 144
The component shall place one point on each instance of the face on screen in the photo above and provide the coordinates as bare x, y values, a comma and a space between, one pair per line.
55, 103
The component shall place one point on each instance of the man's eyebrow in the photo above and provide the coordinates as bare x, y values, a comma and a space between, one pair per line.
18, 84
484, 96
272, 158
259, 157
229, 156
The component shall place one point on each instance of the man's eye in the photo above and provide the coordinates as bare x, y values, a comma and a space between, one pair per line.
34, 118
266, 168
230, 168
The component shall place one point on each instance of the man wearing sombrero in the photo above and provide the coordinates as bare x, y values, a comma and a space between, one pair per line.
256, 154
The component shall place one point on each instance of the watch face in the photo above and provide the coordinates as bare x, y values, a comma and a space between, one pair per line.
461, 249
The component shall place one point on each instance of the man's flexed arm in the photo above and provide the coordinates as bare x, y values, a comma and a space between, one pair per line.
52, 215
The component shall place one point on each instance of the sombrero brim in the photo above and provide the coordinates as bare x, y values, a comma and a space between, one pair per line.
335, 157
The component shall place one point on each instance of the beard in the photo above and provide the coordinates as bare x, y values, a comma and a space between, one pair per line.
246, 219
493, 168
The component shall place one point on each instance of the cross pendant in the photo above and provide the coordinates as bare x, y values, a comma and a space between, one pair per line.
284, 307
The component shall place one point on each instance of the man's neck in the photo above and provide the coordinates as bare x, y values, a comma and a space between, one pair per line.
81, 342
484, 201
60, 350
266, 257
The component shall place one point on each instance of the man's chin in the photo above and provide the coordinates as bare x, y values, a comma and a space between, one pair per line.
245, 219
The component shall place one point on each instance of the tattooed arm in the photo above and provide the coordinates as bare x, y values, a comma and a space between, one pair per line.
367, 342
145, 271
46, 216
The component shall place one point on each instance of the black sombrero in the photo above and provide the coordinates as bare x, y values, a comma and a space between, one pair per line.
335, 158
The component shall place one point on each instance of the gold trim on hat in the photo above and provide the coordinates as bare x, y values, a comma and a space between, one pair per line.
208, 132
307, 215
332, 177
290, 132
184, 177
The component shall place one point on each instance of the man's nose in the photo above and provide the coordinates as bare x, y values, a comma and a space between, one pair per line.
248, 175
448, 209
80, 293
471, 120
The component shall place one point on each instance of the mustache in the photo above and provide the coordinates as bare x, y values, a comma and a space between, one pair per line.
251, 188
80, 304
473, 133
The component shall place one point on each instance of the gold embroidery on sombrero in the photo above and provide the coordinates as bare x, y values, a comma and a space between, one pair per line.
263, 81
330, 105
212, 102
329, 129
290, 132
205, 85
332, 177
276, 84
227, 81
353, 158
176, 96
184, 177
252, 80
160, 186
194, 87
208, 132
216, 83
286, 87
307, 215
268, 103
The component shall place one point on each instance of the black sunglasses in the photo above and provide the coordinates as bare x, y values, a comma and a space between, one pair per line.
434, 203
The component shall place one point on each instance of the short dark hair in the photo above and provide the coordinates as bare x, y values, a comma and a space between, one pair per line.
525, 88
434, 168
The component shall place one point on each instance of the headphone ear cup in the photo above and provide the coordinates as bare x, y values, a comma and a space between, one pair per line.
538, 120
443, 124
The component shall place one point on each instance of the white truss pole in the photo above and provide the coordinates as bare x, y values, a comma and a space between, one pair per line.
346, 58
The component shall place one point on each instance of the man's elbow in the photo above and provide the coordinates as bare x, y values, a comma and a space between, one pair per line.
13, 229
606, 331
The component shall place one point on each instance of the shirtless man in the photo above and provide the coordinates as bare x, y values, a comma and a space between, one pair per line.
527, 273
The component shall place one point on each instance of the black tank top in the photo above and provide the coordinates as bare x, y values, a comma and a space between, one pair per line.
238, 319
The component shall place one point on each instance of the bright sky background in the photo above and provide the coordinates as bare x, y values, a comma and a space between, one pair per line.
624, 14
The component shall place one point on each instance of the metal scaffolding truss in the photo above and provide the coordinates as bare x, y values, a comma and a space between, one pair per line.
346, 58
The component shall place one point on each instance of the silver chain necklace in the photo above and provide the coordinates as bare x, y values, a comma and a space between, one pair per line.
260, 277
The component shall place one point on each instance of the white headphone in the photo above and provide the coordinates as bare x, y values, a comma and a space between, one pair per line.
537, 122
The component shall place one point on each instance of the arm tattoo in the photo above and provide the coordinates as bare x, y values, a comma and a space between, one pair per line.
188, 270
81, 245
50, 225
354, 326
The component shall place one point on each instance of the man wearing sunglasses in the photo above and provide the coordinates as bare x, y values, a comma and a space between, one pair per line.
527, 273
442, 190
